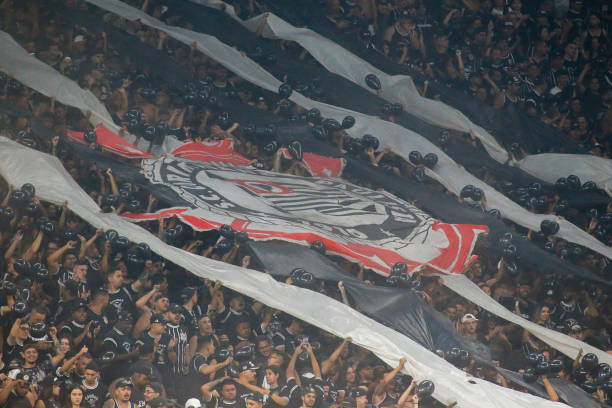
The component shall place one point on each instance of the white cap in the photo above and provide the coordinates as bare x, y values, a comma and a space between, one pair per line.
468, 317
193, 403
78, 38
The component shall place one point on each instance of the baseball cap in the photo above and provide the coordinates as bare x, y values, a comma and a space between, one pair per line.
78, 305
188, 292
78, 38
23, 376
160, 296
124, 382
358, 392
193, 403
576, 328
254, 396
158, 402
158, 318
174, 308
248, 365
467, 317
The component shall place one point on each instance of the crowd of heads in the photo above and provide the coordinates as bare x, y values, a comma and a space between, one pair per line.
91, 319
550, 59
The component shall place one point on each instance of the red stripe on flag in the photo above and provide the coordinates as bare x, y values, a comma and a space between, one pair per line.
112, 142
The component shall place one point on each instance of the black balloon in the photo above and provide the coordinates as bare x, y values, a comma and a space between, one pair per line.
121, 243
318, 246
415, 157
224, 246
590, 362
313, 116
227, 231
29, 190
331, 125
430, 160
556, 366
285, 90
348, 122
399, 268
372, 82
542, 368
425, 389
370, 141
467, 191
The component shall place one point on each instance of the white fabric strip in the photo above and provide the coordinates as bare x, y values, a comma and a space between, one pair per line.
400, 88
399, 139
28, 70
19, 165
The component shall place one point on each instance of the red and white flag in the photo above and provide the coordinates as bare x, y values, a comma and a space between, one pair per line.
112, 142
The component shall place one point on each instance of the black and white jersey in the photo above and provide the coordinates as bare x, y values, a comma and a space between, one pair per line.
181, 335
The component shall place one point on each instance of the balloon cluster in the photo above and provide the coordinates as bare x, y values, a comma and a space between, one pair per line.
472, 193
458, 357
134, 123
399, 278
538, 365
127, 196
533, 197
20, 202
510, 254
430, 160
593, 374
229, 237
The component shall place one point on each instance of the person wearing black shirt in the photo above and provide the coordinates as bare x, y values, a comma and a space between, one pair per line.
37, 370
286, 339
82, 333
308, 381
202, 366
191, 310
121, 296
179, 333
272, 397
118, 341
94, 392
21, 386
163, 345
227, 394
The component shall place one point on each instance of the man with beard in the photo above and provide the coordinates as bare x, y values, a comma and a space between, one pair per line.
121, 395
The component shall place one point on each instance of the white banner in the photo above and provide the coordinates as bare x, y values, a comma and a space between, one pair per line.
399, 139
400, 88
19, 165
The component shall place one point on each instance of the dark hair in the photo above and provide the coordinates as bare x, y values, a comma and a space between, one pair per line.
67, 390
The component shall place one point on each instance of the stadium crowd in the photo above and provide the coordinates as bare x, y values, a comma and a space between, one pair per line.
92, 320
